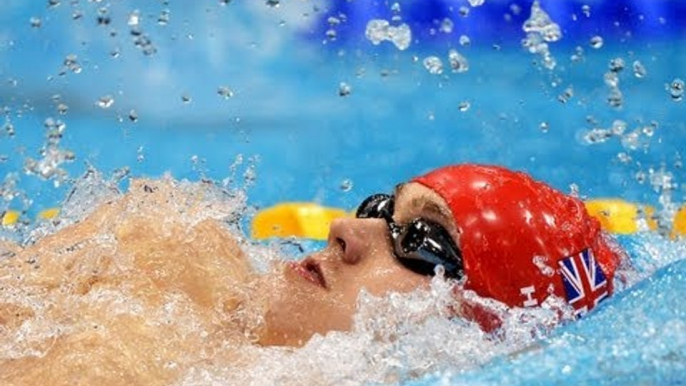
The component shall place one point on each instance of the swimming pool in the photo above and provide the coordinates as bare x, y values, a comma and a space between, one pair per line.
187, 89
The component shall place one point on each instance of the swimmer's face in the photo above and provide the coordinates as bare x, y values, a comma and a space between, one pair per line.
319, 294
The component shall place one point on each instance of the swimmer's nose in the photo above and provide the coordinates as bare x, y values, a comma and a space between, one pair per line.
356, 237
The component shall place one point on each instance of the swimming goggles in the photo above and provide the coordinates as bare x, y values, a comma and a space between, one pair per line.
420, 245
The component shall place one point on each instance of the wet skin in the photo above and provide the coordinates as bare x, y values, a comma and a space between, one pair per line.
107, 282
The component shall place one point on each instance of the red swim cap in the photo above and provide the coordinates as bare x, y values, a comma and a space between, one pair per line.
522, 240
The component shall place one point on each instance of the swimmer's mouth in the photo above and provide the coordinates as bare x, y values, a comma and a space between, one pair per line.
310, 270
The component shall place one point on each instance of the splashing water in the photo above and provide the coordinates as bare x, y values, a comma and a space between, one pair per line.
379, 30
541, 30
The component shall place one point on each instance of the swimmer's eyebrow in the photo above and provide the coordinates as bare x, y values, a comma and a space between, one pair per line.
428, 206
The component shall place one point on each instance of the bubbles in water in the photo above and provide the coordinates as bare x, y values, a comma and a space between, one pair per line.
344, 89
596, 42
447, 26
618, 127
105, 102
225, 92
464, 11
541, 30
476, 3
463, 106
676, 90
379, 30
465, 41
35, 22
611, 79
566, 95
639, 70
586, 9
346, 185
433, 64
458, 63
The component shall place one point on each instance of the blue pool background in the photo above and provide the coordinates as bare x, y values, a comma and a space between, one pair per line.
286, 117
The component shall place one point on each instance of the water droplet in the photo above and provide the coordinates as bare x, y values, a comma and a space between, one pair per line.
662, 20
586, 9
618, 127
224, 2
544, 126
344, 89
273, 3
140, 156
225, 92
163, 19
616, 65
103, 17
464, 11
77, 15
379, 30
9, 130
115, 53
134, 19
615, 98
53, 3
186, 98
648, 131
346, 185
566, 95
133, 116
105, 102
596, 42
458, 63
433, 64
331, 34
578, 54
35, 22
623, 157
676, 90
611, 79
540, 23
395, 7
463, 106
446, 26
476, 3
465, 41
62, 108
515, 9
71, 64
639, 70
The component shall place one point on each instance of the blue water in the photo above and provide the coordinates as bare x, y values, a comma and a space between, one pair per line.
287, 119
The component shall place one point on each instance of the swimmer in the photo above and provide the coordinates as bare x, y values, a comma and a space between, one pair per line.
144, 288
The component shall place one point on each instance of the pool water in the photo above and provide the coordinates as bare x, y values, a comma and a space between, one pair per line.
258, 96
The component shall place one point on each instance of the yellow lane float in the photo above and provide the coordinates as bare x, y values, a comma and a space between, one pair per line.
10, 217
679, 228
300, 219
312, 221
619, 216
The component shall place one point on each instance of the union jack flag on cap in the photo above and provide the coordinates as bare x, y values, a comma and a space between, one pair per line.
584, 282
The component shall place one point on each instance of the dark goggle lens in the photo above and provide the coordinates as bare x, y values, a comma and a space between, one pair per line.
422, 245
376, 206
419, 246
